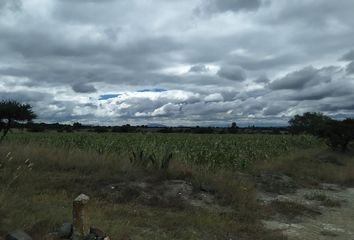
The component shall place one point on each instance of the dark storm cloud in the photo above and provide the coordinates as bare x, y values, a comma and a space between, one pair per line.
57, 62
244, 95
43, 45
40, 44
321, 92
234, 73
25, 96
349, 56
307, 76
334, 107
262, 79
262, 63
228, 5
86, 1
200, 68
350, 68
55, 56
311, 12
12, 5
275, 109
311, 95
252, 106
237, 5
83, 88
40, 74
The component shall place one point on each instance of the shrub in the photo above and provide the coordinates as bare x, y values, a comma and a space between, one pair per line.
337, 134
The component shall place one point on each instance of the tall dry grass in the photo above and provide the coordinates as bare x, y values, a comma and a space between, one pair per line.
41, 199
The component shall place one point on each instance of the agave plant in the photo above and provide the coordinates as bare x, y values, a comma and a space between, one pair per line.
139, 158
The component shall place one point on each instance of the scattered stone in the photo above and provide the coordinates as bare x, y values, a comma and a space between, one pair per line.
18, 235
91, 236
332, 228
65, 231
331, 187
168, 193
97, 232
328, 233
176, 189
275, 183
52, 236
331, 160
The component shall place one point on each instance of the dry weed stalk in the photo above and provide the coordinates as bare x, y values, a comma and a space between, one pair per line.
10, 173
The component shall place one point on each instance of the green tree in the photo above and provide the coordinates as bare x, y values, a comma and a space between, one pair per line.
337, 134
12, 112
309, 122
233, 128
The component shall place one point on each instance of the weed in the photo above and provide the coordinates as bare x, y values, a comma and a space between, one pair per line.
323, 198
144, 160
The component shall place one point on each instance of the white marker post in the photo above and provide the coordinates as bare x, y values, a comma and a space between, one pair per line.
80, 222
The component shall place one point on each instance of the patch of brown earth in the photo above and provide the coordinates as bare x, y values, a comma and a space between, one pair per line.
168, 193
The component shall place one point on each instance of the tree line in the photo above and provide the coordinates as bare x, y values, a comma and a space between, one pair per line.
337, 134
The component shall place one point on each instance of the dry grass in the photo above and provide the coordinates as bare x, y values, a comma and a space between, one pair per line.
324, 199
41, 200
310, 167
292, 210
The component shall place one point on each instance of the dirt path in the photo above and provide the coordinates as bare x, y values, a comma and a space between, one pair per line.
332, 223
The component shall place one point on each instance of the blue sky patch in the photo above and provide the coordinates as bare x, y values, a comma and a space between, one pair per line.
153, 90
108, 96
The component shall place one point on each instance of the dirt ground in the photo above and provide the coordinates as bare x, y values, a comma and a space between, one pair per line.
333, 217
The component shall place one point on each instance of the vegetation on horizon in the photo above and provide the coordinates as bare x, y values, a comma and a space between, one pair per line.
12, 112
337, 134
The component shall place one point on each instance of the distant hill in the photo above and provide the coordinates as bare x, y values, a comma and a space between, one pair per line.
156, 125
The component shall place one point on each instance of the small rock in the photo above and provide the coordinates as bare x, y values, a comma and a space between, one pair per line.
90, 236
65, 231
177, 189
275, 183
52, 236
18, 235
331, 160
329, 233
330, 187
97, 232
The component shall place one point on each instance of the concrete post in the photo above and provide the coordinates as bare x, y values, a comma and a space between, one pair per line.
80, 222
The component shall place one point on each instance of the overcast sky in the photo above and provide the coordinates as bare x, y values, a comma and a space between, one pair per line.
185, 62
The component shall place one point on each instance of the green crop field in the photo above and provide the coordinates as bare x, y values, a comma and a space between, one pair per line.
234, 151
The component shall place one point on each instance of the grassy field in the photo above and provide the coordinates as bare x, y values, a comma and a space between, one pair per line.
65, 165
234, 151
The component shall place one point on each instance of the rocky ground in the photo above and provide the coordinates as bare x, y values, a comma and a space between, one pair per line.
324, 212
169, 193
